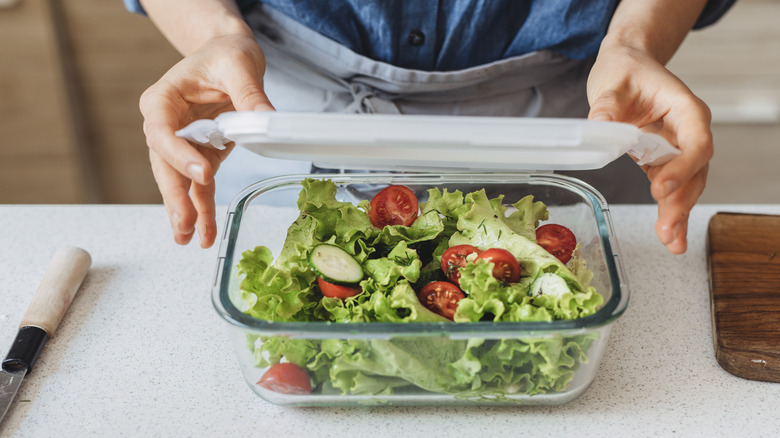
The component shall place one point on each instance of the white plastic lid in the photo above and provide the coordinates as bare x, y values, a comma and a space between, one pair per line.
421, 142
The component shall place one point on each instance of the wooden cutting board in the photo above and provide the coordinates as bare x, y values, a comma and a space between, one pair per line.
743, 253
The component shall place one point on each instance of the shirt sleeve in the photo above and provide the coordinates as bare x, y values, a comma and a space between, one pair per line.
134, 6
713, 11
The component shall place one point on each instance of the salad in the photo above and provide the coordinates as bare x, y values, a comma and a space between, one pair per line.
454, 258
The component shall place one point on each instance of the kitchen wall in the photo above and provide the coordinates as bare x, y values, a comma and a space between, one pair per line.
72, 72
735, 67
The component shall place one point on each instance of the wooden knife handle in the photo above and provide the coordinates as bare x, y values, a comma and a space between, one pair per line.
57, 289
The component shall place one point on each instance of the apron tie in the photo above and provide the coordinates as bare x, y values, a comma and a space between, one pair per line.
366, 101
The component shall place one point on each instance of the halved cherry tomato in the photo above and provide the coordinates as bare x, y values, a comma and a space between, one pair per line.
331, 290
454, 258
394, 205
505, 267
441, 297
286, 378
557, 240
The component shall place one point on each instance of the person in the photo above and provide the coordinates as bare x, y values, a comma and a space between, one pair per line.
600, 59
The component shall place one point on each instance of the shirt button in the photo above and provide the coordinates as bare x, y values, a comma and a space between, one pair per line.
416, 38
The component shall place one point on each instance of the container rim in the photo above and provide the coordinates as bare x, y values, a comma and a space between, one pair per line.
610, 311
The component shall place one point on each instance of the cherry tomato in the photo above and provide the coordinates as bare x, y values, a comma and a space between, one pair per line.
331, 290
454, 258
394, 205
505, 267
441, 297
557, 240
286, 378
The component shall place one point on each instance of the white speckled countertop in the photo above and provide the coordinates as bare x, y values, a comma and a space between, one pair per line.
142, 352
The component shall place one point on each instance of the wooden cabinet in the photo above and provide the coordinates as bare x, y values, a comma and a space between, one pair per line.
40, 160
117, 55
70, 78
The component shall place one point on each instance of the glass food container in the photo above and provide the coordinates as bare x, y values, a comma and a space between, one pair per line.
425, 363
404, 363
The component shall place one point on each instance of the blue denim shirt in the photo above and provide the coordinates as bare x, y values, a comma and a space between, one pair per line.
445, 35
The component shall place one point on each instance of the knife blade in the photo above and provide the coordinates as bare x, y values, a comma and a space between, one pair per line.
51, 300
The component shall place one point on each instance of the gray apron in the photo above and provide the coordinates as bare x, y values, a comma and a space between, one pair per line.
307, 72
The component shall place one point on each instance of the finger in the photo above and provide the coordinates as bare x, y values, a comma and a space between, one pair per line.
203, 199
245, 85
161, 119
206, 224
673, 211
672, 226
694, 138
174, 190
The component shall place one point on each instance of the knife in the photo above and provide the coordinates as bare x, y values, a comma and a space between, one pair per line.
51, 300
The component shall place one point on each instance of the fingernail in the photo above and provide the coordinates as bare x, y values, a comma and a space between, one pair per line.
669, 238
669, 187
178, 226
176, 218
196, 172
601, 116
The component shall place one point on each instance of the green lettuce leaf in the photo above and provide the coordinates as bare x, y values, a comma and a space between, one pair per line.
272, 294
472, 368
443, 204
323, 218
527, 216
427, 226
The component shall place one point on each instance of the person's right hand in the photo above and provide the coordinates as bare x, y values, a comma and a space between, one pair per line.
225, 74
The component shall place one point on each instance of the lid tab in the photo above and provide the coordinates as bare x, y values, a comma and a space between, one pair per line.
204, 132
653, 149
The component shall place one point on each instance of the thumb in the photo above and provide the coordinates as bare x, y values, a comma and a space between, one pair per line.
606, 107
250, 97
245, 89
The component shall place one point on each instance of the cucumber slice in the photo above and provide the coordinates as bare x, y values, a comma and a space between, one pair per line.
335, 265
549, 284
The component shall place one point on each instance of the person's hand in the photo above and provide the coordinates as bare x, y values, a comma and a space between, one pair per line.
628, 85
226, 73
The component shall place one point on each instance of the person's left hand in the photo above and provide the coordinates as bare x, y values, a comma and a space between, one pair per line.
627, 85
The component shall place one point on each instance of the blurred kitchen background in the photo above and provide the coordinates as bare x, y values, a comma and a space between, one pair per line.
71, 73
